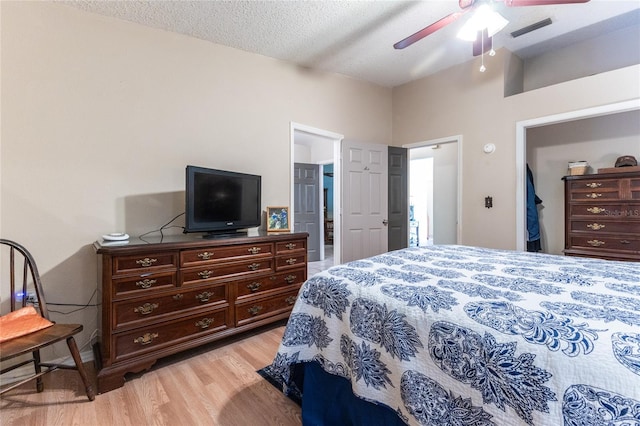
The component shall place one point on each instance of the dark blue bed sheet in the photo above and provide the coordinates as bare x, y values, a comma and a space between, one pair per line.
327, 400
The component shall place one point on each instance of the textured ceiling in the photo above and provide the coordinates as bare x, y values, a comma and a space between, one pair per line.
356, 38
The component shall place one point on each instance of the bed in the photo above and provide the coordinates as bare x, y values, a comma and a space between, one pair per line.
458, 335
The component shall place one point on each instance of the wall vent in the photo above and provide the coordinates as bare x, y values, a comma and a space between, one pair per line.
532, 27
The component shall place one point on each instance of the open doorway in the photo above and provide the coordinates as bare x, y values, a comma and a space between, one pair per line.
522, 128
434, 192
420, 201
319, 147
329, 210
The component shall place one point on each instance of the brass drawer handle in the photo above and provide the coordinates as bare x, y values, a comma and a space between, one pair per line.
205, 255
253, 287
146, 261
255, 250
291, 261
145, 309
596, 226
204, 323
290, 300
625, 242
146, 283
146, 338
594, 195
204, 296
596, 243
290, 278
595, 210
291, 246
254, 266
178, 296
594, 185
254, 310
205, 274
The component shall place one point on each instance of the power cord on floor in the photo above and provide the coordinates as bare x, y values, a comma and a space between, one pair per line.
81, 307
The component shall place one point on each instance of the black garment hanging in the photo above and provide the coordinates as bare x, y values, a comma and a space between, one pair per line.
533, 222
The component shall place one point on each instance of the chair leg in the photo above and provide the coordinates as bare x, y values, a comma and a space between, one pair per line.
73, 348
38, 367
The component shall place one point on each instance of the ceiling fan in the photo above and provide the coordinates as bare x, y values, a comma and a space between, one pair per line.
478, 31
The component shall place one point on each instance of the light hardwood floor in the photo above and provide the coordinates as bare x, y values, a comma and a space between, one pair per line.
213, 385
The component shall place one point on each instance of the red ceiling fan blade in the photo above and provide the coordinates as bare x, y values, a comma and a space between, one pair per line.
428, 30
517, 3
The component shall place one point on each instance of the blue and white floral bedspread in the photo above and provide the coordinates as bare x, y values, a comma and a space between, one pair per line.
455, 335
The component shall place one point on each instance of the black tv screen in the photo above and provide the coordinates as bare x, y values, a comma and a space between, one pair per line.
219, 201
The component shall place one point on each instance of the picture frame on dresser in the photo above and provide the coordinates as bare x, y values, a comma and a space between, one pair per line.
278, 219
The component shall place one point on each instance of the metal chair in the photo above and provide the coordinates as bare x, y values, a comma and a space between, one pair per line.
24, 276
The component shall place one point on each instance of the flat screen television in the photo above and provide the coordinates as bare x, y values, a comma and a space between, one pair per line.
221, 202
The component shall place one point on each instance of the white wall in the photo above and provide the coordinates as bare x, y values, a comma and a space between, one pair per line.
599, 141
101, 116
445, 194
320, 152
608, 52
302, 154
463, 101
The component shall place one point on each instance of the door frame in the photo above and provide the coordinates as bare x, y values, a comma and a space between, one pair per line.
440, 141
521, 153
336, 139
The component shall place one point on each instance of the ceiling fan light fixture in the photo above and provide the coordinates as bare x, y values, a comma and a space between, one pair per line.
483, 18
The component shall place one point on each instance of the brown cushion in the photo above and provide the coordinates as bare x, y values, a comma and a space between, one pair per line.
23, 321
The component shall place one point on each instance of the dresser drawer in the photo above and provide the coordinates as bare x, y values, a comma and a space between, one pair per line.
256, 286
220, 271
143, 283
136, 312
266, 307
208, 255
606, 242
291, 261
596, 227
146, 262
291, 246
594, 183
594, 195
599, 209
148, 339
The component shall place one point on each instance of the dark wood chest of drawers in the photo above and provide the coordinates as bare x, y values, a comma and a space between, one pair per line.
161, 298
602, 216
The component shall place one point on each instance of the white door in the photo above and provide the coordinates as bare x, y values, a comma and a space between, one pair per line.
364, 200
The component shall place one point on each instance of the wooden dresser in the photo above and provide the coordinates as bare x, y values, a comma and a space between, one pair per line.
161, 298
602, 216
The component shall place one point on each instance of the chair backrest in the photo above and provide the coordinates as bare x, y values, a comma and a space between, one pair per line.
20, 270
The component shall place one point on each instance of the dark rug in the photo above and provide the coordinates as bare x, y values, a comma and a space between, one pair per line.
291, 392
